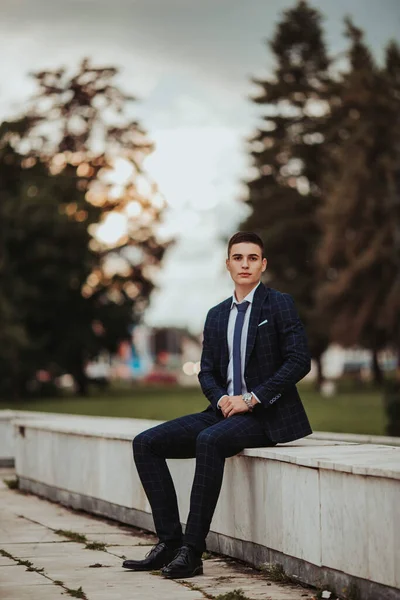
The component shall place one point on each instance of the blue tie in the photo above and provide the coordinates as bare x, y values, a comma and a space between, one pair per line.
237, 340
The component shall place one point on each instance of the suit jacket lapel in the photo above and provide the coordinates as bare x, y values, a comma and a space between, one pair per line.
223, 332
258, 300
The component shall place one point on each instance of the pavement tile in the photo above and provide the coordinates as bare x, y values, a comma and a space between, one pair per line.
221, 577
117, 539
39, 550
19, 576
76, 562
34, 534
47, 591
82, 525
138, 586
7, 473
131, 552
65, 519
26, 532
148, 590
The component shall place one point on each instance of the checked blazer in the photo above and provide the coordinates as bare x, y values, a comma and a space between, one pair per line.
277, 357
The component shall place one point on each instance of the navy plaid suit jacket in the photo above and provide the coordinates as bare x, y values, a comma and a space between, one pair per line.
277, 357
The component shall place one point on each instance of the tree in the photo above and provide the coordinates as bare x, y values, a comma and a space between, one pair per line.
85, 283
288, 154
14, 339
392, 305
357, 246
45, 256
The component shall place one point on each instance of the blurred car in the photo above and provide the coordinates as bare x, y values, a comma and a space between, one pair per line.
161, 377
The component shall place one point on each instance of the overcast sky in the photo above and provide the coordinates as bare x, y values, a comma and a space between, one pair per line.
190, 62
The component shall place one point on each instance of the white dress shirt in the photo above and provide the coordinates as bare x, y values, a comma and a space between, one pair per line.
243, 341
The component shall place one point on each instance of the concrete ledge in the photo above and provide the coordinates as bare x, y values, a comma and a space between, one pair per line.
344, 457
328, 511
254, 554
8, 417
356, 438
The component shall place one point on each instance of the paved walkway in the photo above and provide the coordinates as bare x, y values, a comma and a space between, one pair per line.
49, 552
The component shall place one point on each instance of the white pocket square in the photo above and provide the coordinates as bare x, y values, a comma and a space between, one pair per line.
263, 323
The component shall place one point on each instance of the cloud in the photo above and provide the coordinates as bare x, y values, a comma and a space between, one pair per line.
197, 169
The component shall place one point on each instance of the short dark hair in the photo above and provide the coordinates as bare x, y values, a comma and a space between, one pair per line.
246, 236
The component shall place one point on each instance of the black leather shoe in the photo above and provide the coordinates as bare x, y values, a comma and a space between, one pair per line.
187, 563
159, 556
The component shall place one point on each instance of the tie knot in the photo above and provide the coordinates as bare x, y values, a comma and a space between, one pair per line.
242, 307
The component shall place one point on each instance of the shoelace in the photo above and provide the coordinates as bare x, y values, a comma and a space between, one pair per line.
154, 548
182, 552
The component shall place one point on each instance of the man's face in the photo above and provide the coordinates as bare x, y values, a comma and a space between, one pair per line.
245, 264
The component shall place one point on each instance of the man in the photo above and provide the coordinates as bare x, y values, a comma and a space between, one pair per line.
254, 353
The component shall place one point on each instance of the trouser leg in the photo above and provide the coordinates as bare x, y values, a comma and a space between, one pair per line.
174, 439
213, 445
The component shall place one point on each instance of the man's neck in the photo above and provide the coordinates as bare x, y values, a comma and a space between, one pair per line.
241, 291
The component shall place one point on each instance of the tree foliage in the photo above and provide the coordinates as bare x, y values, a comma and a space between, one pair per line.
361, 298
288, 156
78, 218
326, 197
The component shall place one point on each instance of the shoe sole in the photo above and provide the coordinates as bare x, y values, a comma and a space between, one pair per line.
198, 571
140, 568
145, 569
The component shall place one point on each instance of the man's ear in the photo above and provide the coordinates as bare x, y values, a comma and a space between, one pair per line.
227, 264
264, 264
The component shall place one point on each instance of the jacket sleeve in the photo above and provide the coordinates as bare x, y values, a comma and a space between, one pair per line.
208, 375
294, 349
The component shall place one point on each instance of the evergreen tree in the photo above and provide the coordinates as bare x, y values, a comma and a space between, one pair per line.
288, 154
356, 250
391, 311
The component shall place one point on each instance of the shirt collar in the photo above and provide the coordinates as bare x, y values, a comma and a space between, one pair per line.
248, 298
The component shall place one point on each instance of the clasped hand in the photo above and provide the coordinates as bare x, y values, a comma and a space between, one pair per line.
233, 405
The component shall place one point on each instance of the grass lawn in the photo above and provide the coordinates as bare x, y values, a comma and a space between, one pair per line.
353, 409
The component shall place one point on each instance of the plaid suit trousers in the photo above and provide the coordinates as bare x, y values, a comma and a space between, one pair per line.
206, 436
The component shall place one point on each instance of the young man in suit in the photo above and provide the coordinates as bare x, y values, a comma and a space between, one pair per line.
254, 353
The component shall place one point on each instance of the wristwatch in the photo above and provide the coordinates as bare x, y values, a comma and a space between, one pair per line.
247, 397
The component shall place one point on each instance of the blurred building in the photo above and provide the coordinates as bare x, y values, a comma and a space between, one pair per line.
158, 355
354, 362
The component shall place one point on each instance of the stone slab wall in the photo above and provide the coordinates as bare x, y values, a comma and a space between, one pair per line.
332, 507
